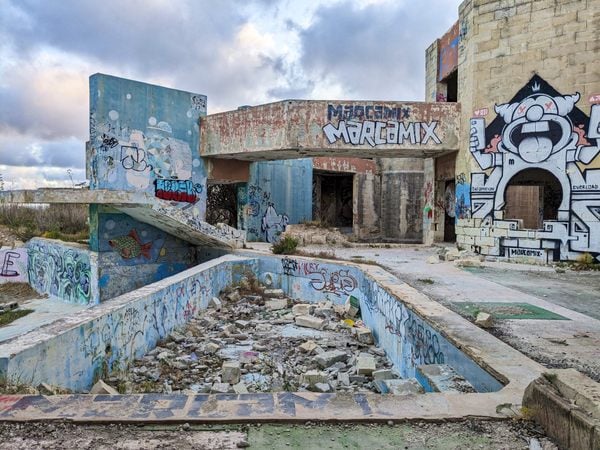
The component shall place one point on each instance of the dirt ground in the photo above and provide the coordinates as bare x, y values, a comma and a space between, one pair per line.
471, 434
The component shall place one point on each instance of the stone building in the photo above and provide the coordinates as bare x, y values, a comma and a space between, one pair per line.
525, 181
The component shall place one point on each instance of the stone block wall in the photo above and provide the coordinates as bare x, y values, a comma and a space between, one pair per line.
533, 64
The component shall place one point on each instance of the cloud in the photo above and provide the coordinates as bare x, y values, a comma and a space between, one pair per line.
376, 50
235, 51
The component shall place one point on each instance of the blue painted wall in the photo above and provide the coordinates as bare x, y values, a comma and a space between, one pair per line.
66, 271
146, 138
132, 254
277, 193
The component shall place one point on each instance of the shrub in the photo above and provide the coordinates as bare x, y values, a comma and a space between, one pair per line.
287, 245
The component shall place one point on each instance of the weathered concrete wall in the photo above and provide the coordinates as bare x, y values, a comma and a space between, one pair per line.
345, 165
132, 254
528, 86
448, 54
145, 138
402, 199
13, 265
407, 339
64, 270
278, 193
367, 206
77, 350
300, 128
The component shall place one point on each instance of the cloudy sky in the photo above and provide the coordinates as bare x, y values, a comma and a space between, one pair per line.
237, 52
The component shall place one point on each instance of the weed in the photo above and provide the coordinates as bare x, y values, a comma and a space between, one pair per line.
426, 280
10, 316
287, 245
551, 377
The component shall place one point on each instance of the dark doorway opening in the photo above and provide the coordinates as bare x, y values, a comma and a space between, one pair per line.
221, 204
533, 195
332, 199
449, 211
452, 87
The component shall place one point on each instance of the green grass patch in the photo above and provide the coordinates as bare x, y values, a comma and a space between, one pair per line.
10, 316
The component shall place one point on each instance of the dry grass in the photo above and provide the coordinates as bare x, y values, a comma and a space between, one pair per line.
15, 292
58, 221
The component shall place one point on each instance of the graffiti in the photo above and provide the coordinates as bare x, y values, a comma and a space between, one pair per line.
273, 224
198, 102
425, 342
134, 158
289, 266
482, 112
108, 142
177, 190
448, 52
461, 178
130, 246
60, 271
543, 130
381, 133
14, 266
440, 97
361, 112
337, 283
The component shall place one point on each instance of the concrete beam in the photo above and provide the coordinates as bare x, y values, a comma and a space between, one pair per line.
75, 196
306, 128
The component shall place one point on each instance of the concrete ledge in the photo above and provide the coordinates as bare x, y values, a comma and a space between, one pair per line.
565, 403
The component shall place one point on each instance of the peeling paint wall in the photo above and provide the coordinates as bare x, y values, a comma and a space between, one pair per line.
145, 138
66, 271
132, 254
278, 193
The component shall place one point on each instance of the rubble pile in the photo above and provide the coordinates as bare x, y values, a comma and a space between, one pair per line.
261, 341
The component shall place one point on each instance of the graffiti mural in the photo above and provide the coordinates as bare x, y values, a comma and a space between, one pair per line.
177, 190
273, 223
358, 125
13, 268
60, 271
543, 130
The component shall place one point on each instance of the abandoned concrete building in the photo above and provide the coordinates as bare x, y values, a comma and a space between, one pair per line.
502, 157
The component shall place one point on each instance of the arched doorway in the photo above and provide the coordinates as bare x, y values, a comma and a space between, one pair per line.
533, 195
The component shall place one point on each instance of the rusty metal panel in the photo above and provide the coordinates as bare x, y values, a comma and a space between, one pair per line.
448, 52
305, 128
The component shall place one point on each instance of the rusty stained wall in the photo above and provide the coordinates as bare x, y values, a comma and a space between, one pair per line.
448, 52
304, 128
349, 165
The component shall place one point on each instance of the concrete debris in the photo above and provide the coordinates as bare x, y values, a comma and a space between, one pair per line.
383, 374
262, 344
310, 322
274, 293
364, 336
403, 387
433, 259
215, 303
102, 388
483, 320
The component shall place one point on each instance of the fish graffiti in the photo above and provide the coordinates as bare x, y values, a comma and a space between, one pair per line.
130, 246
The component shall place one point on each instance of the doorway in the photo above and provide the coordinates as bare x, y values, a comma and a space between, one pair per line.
221, 204
533, 195
449, 211
332, 199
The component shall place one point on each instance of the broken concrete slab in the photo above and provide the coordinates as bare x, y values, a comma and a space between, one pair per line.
442, 378
220, 388
302, 309
310, 322
211, 348
322, 387
383, 374
215, 302
240, 388
484, 320
274, 293
365, 364
102, 388
327, 359
308, 347
403, 386
276, 304
364, 335
311, 377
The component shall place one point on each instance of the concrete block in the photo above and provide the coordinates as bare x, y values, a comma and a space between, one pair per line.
489, 241
313, 377
483, 320
383, 374
442, 378
343, 378
403, 386
102, 388
365, 364
308, 347
499, 232
301, 309
276, 304
230, 372
364, 336
327, 359
215, 303
240, 388
273, 293
310, 322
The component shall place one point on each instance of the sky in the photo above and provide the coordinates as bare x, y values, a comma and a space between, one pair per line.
237, 52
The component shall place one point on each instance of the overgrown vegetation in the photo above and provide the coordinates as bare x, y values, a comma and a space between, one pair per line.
585, 261
68, 222
287, 245
10, 316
